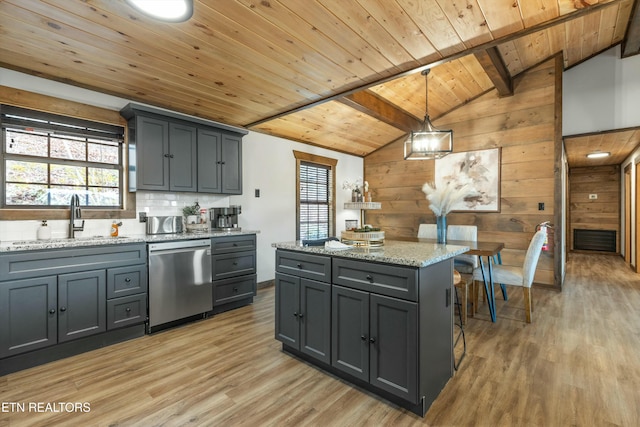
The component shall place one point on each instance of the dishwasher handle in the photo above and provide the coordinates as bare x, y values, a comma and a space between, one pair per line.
179, 250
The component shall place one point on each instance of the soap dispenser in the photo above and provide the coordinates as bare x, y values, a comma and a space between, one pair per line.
114, 228
44, 231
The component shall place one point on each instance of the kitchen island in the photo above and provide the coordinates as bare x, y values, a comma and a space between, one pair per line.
380, 318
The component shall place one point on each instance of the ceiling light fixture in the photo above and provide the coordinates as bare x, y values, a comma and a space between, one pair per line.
164, 10
428, 143
598, 155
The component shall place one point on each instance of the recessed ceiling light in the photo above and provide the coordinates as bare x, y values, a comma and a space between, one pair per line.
598, 155
164, 10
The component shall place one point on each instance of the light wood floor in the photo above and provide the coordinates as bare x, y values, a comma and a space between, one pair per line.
577, 364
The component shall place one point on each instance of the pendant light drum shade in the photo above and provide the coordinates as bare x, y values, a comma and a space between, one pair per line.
428, 142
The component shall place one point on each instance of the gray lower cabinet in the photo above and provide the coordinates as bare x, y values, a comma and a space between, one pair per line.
81, 304
374, 338
233, 263
126, 296
28, 315
390, 326
87, 292
303, 319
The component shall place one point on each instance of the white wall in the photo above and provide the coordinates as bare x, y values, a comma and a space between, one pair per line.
268, 165
601, 94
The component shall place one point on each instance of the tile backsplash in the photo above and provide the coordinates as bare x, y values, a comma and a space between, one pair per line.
152, 203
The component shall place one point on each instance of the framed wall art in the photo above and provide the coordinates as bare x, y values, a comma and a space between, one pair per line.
480, 169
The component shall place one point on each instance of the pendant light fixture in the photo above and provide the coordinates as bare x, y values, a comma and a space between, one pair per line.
428, 143
164, 10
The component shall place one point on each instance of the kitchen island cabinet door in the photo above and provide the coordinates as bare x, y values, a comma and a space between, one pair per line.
82, 309
350, 331
28, 315
315, 319
287, 309
394, 346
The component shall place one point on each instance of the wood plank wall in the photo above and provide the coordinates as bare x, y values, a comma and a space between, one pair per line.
602, 213
523, 125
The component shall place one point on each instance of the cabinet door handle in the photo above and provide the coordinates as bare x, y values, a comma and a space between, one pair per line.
166, 155
301, 315
372, 340
369, 278
295, 314
222, 163
363, 338
63, 309
171, 156
52, 311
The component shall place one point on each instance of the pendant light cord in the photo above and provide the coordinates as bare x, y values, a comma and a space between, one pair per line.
425, 73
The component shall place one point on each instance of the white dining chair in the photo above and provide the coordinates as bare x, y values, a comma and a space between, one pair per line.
465, 264
427, 231
520, 276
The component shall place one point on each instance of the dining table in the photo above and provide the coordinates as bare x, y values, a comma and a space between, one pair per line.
488, 250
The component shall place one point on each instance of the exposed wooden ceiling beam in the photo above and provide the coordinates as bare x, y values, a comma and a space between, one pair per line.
531, 30
371, 104
631, 42
494, 66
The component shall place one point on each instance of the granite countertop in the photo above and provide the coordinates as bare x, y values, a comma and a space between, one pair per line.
414, 254
32, 245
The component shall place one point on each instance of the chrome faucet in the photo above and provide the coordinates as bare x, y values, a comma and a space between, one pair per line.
74, 214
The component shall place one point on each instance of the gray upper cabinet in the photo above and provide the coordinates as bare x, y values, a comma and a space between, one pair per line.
166, 155
219, 162
171, 152
152, 155
182, 157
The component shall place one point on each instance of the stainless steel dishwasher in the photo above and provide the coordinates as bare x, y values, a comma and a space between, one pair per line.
180, 284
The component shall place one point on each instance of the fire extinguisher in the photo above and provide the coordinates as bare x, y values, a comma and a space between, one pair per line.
544, 226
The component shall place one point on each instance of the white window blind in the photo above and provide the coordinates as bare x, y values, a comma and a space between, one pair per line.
315, 201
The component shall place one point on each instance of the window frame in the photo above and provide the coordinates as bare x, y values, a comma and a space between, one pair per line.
322, 161
47, 104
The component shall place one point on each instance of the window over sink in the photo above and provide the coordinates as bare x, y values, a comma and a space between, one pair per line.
48, 157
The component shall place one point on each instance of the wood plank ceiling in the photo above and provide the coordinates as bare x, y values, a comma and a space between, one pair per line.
344, 75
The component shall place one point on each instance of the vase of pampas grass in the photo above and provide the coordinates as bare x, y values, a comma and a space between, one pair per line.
442, 199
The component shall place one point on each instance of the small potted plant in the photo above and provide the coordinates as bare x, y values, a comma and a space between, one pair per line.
191, 213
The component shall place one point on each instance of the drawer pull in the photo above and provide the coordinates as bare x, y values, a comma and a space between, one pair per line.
127, 280
299, 265
235, 244
128, 310
369, 278
235, 262
235, 290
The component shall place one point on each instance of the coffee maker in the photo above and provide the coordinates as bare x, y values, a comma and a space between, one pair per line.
225, 219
